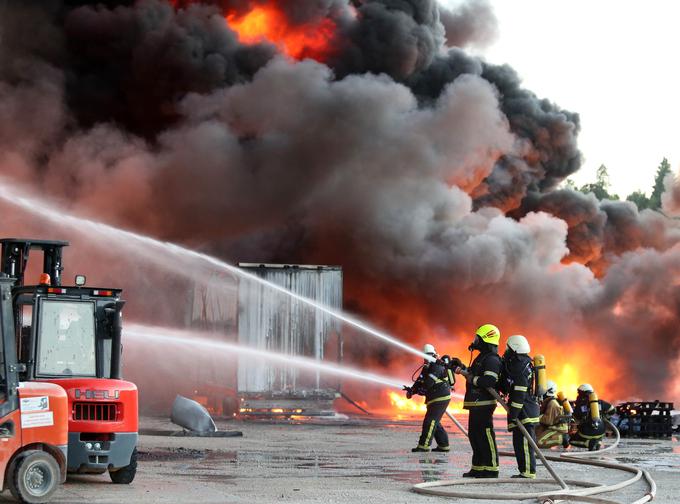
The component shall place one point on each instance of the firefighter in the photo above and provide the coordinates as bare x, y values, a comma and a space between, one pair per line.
552, 428
518, 383
434, 382
483, 373
589, 413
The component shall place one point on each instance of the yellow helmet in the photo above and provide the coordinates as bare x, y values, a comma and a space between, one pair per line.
489, 333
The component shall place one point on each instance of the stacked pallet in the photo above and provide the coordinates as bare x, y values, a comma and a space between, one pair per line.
645, 419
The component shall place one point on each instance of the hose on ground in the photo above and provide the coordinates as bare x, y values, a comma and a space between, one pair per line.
583, 494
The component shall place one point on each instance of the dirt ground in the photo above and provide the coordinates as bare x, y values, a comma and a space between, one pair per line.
345, 460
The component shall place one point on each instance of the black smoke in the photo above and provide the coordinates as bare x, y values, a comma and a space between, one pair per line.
431, 175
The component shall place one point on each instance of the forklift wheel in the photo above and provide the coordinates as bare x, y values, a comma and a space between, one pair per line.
34, 477
125, 475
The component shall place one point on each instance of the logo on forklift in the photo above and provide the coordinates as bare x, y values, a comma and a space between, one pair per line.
97, 394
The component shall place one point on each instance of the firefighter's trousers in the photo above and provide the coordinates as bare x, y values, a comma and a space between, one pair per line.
589, 434
432, 426
547, 437
524, 453
483, 438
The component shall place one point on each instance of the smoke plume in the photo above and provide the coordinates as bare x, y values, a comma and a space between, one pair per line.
430, 175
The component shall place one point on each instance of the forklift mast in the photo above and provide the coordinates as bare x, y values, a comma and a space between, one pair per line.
15, 253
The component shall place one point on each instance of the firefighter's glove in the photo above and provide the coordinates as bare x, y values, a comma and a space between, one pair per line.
456, 362
409, 392
511, 420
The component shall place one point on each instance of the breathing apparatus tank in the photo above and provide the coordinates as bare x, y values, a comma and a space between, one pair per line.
565, 403
541, 375
594, 406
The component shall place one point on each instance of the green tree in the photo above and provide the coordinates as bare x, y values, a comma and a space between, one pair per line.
600, 188
662, 171
640, 199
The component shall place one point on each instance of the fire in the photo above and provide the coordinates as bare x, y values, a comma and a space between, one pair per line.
402, 407
266, 24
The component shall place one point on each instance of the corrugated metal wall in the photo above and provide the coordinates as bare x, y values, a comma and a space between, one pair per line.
277, 322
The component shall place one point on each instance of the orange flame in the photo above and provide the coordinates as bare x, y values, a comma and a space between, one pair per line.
266, 24
400, 407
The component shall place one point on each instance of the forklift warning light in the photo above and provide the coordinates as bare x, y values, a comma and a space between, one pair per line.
56, 290
102, 293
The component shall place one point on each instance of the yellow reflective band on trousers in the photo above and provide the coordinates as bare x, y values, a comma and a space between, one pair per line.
428, 439
553, 436
598, 436
492, 447
527, 457
468, 404
490, 373
521, 389
484, 468
439, 399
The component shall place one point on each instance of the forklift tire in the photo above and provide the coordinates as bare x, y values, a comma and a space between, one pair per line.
33, 477
125, 475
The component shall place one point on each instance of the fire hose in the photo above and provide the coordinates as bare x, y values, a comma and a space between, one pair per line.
583, 494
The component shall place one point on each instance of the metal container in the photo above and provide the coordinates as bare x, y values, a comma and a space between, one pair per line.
280, 323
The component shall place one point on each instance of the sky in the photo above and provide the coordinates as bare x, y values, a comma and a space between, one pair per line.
613, 62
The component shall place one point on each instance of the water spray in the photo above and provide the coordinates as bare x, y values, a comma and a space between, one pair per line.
15, 196
207, 341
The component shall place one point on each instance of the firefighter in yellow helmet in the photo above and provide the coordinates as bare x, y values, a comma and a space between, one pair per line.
553, 427
518, 382
483, 373
434, 382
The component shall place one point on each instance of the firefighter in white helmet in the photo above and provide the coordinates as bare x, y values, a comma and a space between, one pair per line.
553, 426
589, 413
483, 373
518, 382
434, 382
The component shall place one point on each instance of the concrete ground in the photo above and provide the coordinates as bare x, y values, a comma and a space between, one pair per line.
348, 461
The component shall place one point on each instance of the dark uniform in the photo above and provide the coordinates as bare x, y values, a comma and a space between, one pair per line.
590, 432
483, 373
434, 383
518, 373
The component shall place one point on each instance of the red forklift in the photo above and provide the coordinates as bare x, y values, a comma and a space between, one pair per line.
71, 336
33, 420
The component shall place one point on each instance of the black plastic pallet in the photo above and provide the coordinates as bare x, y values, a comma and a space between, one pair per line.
645, 419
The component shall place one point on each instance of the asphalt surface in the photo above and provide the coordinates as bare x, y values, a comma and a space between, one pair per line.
338, 461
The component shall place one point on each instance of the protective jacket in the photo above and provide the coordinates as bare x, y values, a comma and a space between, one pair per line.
517, 382
434, 382
582, 408
552, 425
485, 371
552, 415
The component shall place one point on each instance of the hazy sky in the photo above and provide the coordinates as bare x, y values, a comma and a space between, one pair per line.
613, 62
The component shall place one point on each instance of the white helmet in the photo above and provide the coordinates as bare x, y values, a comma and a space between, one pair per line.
429, 350
518, 344
586, 388
550, 389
